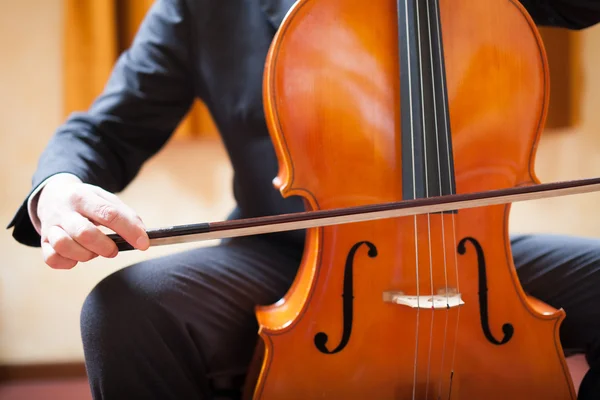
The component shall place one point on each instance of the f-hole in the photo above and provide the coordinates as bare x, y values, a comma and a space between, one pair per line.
507, 328
321, 338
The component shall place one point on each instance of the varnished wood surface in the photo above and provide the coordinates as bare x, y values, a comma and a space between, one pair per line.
332, 101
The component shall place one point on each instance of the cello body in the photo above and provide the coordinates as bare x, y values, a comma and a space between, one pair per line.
425, 307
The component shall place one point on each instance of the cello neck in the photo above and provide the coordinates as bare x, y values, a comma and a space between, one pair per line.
427, 157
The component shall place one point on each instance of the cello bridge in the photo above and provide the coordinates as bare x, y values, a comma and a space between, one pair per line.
443, 299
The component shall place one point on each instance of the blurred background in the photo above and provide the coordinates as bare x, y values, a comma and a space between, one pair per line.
55, 56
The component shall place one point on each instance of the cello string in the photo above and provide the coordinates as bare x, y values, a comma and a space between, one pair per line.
443, 230
412, 138
423, 135
452, 188
426, 183
425, 154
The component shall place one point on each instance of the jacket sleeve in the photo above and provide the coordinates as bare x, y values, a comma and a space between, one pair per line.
569, 14
148, 93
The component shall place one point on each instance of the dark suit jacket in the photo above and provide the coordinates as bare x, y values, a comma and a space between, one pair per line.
213, 50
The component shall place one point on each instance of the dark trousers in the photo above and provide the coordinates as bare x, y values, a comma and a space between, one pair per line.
179, 326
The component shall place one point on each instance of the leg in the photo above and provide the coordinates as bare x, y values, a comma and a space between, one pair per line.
175, 326
564, 272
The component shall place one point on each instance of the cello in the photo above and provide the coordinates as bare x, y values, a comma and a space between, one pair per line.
378, 102
408, 128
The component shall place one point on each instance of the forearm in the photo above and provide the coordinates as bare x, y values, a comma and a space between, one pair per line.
103, 148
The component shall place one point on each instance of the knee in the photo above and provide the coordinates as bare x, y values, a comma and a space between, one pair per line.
118, 306
592, 354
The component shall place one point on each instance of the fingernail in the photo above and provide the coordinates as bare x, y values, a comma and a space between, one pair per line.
142, 242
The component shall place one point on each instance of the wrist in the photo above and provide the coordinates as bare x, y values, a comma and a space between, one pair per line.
33, 200
63, 177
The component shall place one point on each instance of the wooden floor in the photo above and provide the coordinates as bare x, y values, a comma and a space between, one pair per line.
72, 389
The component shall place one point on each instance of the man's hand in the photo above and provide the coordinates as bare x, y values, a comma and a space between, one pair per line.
70, 213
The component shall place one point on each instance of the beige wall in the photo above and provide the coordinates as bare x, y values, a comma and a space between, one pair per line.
39, 307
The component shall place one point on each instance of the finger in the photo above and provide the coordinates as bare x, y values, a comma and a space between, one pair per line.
54, 260
117, 217
65, 246
108, 196
89, 236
